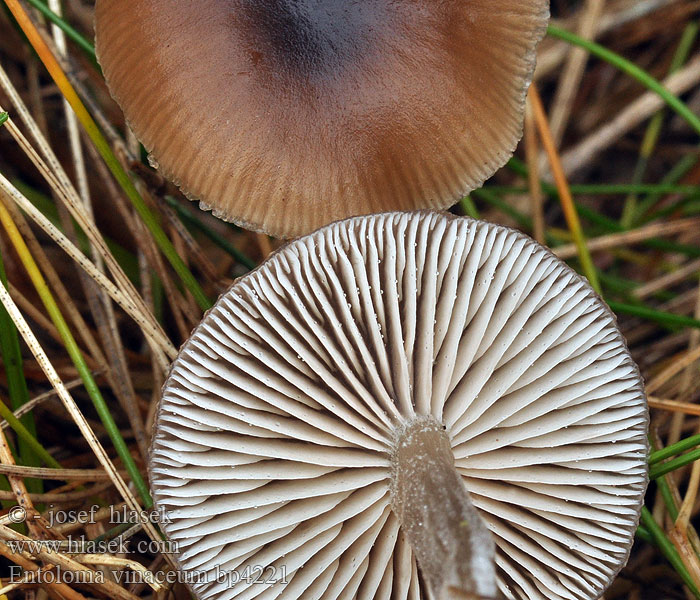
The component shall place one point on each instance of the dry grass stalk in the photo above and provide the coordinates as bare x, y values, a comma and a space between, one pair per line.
30, 567
533, 179
62, 497
635, 236
674, 406
112, 590
573, 71
580, 156
666, 281
156, 336
72, 408
43, 322
64, 189
565, 197
673, 369
35, 522
12, 470
618, 13
37, 400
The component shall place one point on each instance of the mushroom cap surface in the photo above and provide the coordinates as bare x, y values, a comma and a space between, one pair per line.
274, 432
285, 115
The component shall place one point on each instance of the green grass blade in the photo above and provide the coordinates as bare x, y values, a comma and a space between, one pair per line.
494, 200
658, 470
72, 34
29, 448
28, 440
74, 352
679, 170
667, 549
653, 131
632, 70
598, 189
469, 207
643, 534
189, 219
655, 315
102, 145
673, 449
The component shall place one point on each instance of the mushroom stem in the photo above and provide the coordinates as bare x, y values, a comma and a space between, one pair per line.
455, 550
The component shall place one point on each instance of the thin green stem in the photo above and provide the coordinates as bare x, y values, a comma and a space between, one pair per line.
74, 352
686, 207
104, 149
469, 207
148, 218
27, 438
72, 34
665, 489
679, 170
667, 549
643, 534
3, 117
655, 315
608, 189
632, 70
658, 470
653, 131
188, 218
673, 449
96, 396
667, 497
30, 450
127, 261
656, 243
493, 199
518, 167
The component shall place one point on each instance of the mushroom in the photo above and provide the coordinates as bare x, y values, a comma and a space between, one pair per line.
284, 115
371, 409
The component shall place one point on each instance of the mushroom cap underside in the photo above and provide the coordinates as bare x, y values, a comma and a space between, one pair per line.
285, 115
272, 443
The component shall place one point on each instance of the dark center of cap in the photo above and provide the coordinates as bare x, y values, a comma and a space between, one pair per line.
309, 37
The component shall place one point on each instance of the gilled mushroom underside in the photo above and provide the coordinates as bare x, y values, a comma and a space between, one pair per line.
276, 439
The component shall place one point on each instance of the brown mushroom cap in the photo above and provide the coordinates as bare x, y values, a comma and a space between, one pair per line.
284, 115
